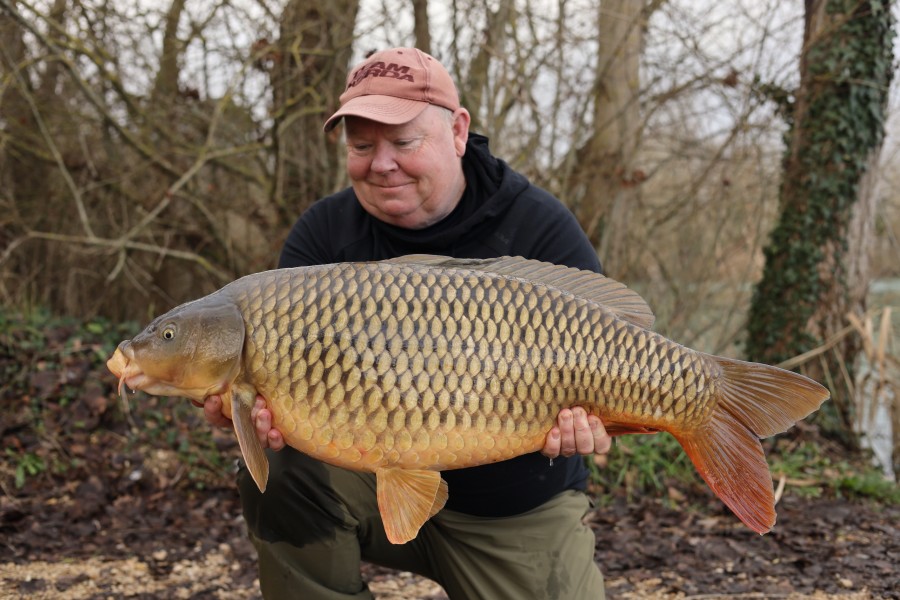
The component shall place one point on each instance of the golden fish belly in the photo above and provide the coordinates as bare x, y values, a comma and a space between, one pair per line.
382, 364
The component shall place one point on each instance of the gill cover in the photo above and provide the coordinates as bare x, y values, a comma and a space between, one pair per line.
194, 350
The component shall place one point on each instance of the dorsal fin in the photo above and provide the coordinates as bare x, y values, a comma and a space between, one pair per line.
626, 303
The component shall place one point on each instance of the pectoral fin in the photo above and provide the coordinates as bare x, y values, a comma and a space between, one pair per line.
406, 499
241, 401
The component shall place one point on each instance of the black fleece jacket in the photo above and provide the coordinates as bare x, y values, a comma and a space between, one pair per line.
501, 213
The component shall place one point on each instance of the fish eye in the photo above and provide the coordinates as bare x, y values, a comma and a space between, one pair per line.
169, 333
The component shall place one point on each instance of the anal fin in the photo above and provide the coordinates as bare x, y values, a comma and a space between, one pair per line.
408, 498
614, 429
241, 401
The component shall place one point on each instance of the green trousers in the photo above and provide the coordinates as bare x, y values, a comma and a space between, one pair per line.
315, 523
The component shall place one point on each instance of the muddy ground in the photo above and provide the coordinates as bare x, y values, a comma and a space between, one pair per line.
89, 539
100, 502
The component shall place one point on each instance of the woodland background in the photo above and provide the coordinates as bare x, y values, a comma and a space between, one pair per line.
735, 161
153, 151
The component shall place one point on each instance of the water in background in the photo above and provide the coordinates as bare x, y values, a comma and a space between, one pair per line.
878, 390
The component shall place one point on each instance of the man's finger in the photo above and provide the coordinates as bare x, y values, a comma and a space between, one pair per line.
276, 441
257, 406
212, 410
602, 440
567, 446
551, 446
263, 422
584, 436
212, 405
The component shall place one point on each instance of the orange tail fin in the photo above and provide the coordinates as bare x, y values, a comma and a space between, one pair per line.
755, 401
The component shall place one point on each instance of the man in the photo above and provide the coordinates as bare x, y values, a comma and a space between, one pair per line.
422, 184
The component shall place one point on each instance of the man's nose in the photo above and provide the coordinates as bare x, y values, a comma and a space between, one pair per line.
383, 160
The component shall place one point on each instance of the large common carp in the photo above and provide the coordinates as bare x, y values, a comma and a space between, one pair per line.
411, 366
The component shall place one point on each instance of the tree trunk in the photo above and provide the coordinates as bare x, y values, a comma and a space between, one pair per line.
494, 36
814, 274
421, 26
165, 87
309, 72
605, 173
27, 160
617, 125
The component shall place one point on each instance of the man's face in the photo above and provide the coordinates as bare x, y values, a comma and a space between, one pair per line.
408, 175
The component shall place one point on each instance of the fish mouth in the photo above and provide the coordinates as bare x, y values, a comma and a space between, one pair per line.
122, 365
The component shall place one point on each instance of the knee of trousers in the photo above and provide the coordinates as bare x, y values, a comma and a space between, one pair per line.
305, 501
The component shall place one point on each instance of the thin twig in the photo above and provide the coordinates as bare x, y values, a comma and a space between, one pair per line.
55, 153
120, 243
741, 595
782, 481
855, 325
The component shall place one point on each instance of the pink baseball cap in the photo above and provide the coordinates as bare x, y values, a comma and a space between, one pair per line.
394, 86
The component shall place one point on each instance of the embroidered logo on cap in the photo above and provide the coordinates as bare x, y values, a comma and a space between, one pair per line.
380, 69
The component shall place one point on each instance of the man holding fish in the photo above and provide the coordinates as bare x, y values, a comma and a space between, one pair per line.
444, 321
421, 183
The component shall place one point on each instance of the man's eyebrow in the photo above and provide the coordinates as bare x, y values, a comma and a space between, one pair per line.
410, 133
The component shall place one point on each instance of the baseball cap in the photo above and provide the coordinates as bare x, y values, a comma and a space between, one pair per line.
394, 86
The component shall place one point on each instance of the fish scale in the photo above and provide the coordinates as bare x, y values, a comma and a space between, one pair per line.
419, 364
533, 363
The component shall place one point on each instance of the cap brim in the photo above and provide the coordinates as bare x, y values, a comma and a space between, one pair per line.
382, 109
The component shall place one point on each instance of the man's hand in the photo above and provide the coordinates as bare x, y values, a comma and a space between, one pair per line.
576, 432
268, 436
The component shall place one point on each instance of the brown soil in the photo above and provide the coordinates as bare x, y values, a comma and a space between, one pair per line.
87, 542
99, 504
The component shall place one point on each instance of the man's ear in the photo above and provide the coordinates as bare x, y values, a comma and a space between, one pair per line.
461, 121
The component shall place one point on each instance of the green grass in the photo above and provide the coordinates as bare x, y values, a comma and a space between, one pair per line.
810, 471
644, 464
655, 464
27, 464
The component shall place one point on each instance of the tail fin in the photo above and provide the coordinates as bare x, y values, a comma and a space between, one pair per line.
755, 401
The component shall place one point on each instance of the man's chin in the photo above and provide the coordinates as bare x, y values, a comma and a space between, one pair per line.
396, 211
